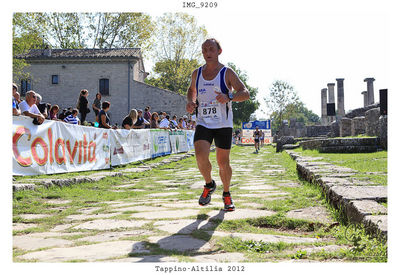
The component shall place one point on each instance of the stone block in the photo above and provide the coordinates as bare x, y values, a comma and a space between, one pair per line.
357, 210
383, 131
345, 127
334, 129
372, 122
376, 223
358, 126
342, 195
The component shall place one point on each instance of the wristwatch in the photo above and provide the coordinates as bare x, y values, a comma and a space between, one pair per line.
230, 96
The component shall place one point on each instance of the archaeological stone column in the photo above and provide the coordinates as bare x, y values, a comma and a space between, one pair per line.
365, 94
340, 98
324, 118
331, 98
370, 90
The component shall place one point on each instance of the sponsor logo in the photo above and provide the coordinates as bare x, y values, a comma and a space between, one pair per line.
119, 151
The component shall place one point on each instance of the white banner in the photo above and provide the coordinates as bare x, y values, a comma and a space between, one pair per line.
179, 142
57, 147
129, 146
160, 144
247, 137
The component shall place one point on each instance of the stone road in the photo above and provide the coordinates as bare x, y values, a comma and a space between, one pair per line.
168, 225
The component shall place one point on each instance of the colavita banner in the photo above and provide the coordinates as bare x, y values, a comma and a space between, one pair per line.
57, 147
129, 146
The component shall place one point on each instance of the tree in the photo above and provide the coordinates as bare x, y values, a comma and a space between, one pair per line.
177, 52
285, 104
242, 111
280, 97
173, 76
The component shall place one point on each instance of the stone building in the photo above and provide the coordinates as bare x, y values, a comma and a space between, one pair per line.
58, 75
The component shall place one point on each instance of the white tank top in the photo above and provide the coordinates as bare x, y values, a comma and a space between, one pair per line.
210, 113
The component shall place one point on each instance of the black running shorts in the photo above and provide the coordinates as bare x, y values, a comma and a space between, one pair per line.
221, 136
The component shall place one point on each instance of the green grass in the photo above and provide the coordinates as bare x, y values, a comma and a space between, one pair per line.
370, 166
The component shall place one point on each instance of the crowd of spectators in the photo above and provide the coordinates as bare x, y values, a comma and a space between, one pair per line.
33, 107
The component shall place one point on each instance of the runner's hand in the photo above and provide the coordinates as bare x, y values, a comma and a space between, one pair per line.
221, 98
190, 107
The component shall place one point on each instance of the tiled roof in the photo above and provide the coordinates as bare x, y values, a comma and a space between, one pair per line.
82, 53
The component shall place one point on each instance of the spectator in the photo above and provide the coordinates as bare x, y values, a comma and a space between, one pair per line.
97, 105
140, 120
62, 115
82, 105
184, 122
189, 125
53, 112
43, 107
130, 120
164, 124
154, 120
180, 123
147, 114
29, 108
174, 122
16, 100
72, 118
104, 120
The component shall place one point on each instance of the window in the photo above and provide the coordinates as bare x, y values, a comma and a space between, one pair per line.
54, 79
104, 85
25, 86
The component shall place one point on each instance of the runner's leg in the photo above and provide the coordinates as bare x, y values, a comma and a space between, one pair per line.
202, 150
225, 170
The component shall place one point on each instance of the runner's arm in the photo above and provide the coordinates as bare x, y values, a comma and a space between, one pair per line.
191, 94
234, 81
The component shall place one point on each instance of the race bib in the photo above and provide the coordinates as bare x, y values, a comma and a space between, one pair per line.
210, 111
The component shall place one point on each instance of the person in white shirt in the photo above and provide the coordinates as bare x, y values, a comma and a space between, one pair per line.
28, 107
164, 124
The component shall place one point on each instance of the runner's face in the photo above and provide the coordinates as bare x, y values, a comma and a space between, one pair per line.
210, 51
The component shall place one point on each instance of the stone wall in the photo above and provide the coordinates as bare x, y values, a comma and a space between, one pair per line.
360, 111
383, 131
358, 126
345, 127
372, 122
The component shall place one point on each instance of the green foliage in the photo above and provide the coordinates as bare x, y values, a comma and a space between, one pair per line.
173, 75
284, 104
242, 111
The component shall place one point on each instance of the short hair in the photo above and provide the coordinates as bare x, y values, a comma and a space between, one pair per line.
38, 97
74, 111
15, 86
105, 105
167, 116
31, 92
215, 41
146, 109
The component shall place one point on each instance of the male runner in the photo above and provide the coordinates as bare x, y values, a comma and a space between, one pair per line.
257, 135
210, 95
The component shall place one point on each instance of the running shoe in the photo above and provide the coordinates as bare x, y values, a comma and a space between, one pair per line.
228, 203
205, 198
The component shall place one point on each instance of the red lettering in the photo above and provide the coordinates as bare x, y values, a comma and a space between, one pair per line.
18, 134
85, 147
80, 153
50, 136
62, 159
72, 154
92, 152
39, 141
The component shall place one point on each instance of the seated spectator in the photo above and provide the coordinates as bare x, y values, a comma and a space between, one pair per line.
104, 120
189, 125
164, 124
62, 115
140, 120
54, 112
29, 108
154, 120
130, 120
72, 118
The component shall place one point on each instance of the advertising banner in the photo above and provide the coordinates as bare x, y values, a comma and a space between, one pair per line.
129, 146
190, 139
57, 147
248, 129
160, 144
178, 141
262, 125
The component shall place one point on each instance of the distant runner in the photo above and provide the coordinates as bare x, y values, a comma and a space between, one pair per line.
257, 135
210, 95
262, 138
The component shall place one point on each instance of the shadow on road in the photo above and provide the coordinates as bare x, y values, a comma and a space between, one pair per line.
183, 241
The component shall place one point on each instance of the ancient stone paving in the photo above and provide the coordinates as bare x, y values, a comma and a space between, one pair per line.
169, 225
